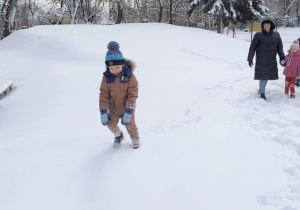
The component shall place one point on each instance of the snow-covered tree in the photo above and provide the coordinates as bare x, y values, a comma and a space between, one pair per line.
231, 10
8, 14
73, 7
257, 9
161, 8
287, 6
60, 12
250, 10
89, 9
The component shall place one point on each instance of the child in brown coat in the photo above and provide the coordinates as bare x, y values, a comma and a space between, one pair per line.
118, 94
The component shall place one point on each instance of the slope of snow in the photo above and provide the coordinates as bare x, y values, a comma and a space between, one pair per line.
208, 140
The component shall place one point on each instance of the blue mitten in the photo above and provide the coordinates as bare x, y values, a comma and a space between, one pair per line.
126, 116
104, 117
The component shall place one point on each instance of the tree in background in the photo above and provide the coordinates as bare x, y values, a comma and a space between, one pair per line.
287, 6
88, 10
8, 14
213, 14
252, 10
119, 12
230, 10
30, 13
60, 12
161, 9
73, 8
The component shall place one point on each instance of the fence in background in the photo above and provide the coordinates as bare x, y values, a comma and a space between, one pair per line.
289, 29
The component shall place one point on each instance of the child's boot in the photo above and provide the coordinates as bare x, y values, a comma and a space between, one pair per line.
286, 93
135, 143
298, 83
292, 96
118, 140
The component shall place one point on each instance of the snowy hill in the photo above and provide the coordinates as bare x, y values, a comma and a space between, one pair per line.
208, 141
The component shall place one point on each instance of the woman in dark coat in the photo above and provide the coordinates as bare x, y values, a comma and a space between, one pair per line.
266, 44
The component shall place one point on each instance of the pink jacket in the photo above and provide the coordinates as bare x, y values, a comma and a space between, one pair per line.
292, 68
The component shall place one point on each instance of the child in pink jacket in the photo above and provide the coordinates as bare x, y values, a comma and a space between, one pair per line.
292, 68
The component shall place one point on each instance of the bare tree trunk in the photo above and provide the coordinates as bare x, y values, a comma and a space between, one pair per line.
287, 6
147, 10
220, 23
297, 11
3, 6
13, 15
8, 20
120, 13
74, 8
62, 12
171, 12
111, 6
6, 30
161, 9
30, 14
139, 9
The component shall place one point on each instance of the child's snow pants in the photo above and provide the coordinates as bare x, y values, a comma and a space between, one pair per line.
290, 84
131, 127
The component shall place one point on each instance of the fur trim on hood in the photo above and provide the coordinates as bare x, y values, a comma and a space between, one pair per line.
130, 63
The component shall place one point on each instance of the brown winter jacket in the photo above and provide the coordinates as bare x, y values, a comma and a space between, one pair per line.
118, 93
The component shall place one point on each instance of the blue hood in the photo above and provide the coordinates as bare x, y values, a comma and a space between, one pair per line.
126, 73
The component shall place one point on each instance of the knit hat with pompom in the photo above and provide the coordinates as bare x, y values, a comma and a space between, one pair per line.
295, 45
114, 56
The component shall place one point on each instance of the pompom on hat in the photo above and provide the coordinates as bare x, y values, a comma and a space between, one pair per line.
295, 45
114, 56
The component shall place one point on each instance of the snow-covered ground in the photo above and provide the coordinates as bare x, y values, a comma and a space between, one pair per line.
208, 141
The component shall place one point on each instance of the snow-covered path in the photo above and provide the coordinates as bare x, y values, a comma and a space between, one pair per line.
208, 141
